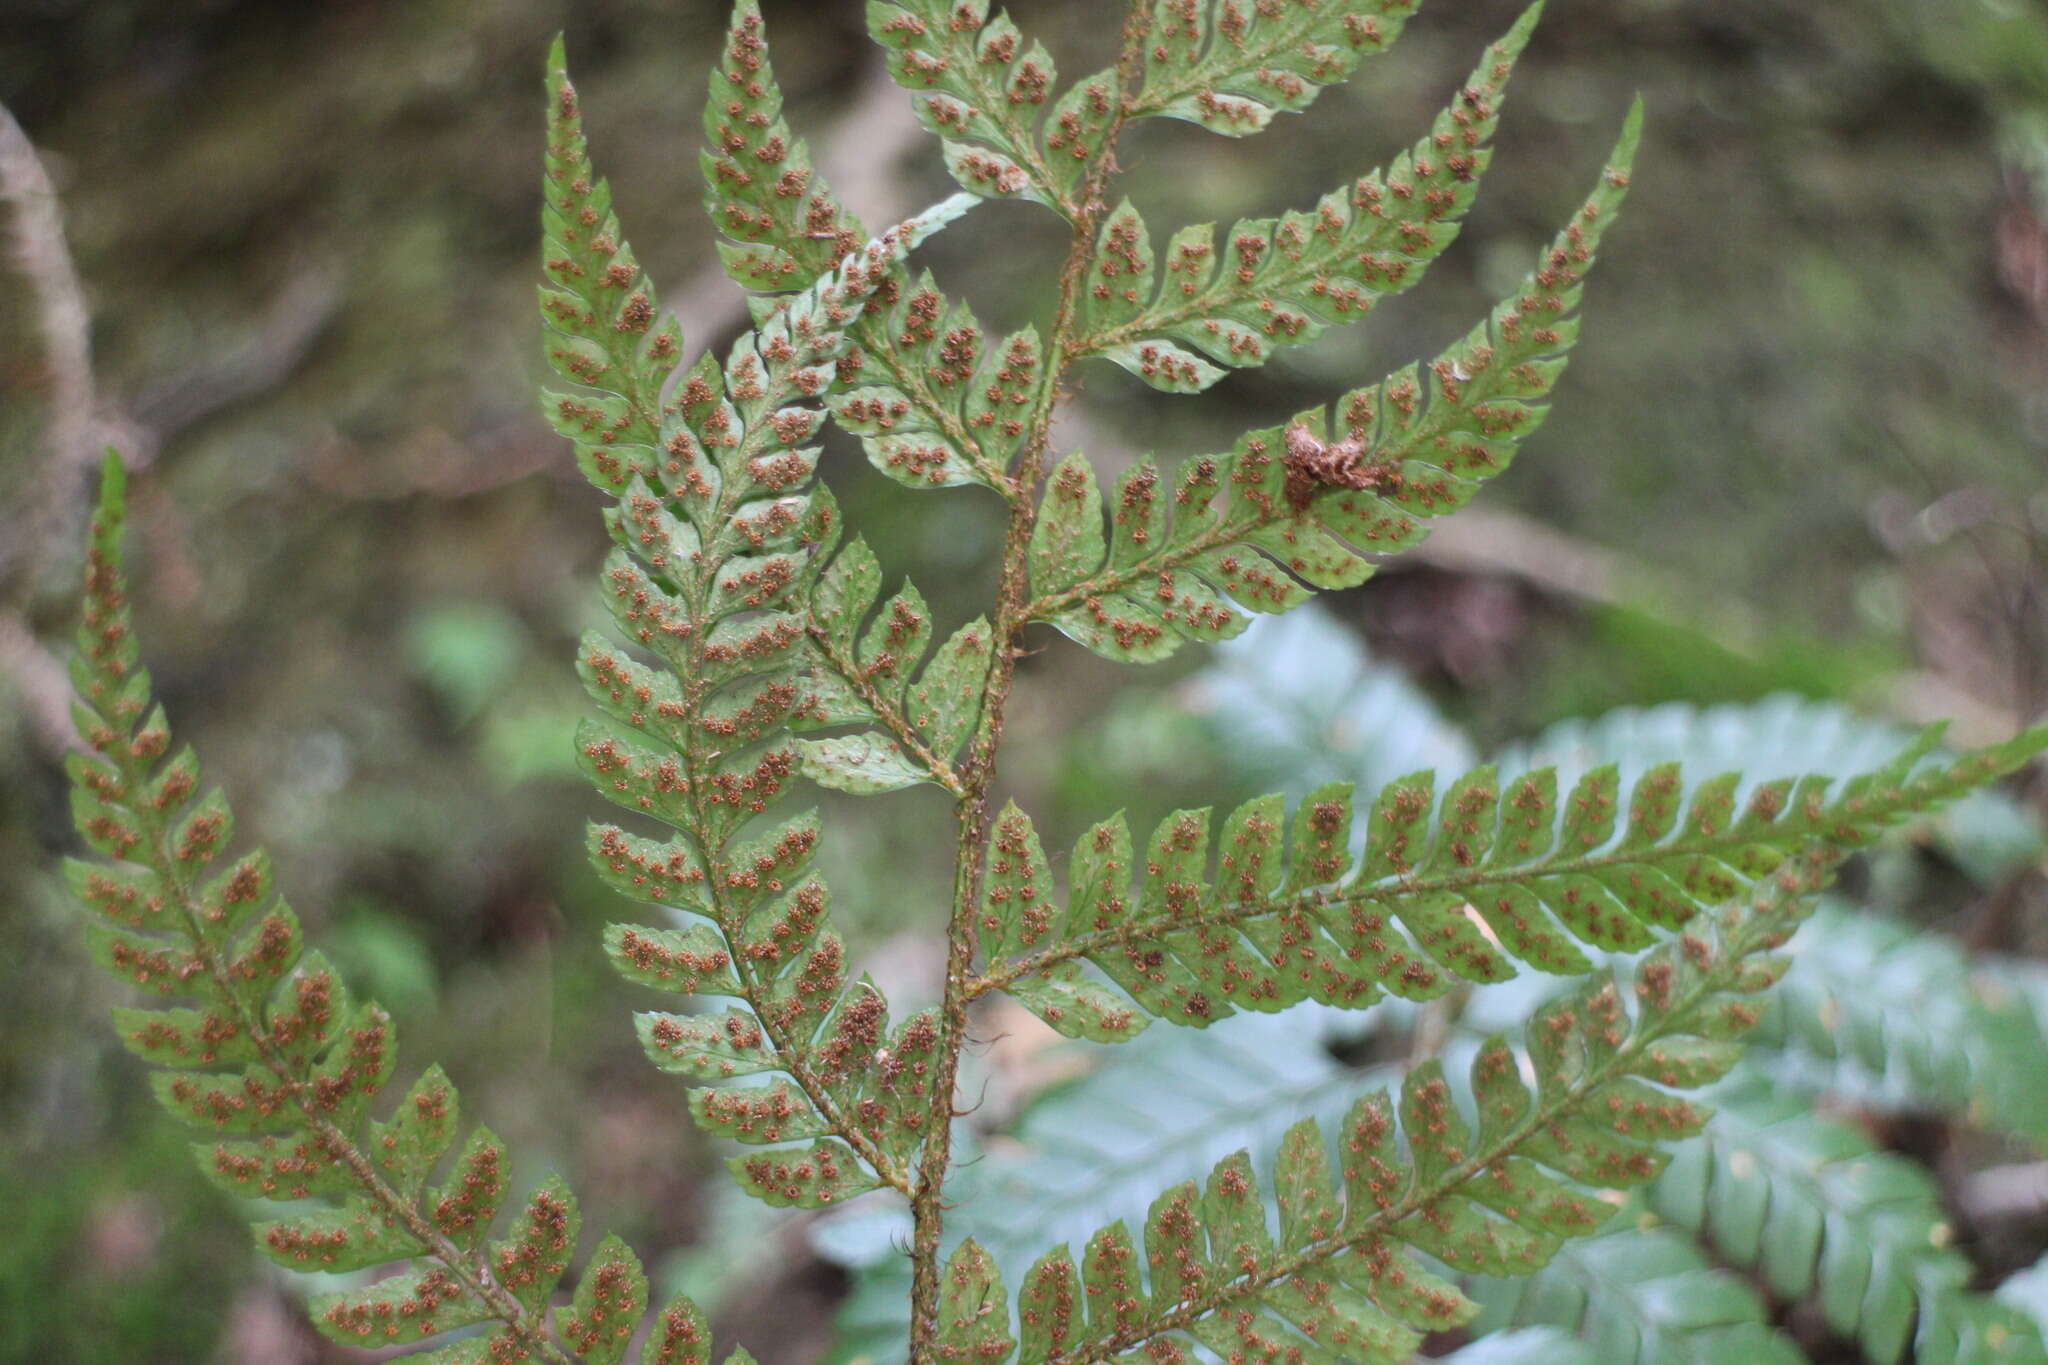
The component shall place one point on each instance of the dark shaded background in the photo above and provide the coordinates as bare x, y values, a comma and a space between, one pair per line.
1801, 446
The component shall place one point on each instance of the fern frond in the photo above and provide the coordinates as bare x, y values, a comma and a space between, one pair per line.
720, 555
1281, 281
1292, 505
785, 226
982, 89
1449, 886
929, 395
1230, 65
1780, 736
606, 329
1338, 1282
1818, 1212
284, 1068
1638, 1296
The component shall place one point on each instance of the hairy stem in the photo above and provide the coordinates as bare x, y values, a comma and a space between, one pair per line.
1012, 613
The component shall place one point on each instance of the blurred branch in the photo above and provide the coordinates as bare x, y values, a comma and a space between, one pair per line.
43, 508
44, 517
74, 430
39, 680
2019, 1191
293, 320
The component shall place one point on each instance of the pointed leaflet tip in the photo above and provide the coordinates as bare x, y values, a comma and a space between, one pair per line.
558, 55
113, 483
1517, 37
1631, 134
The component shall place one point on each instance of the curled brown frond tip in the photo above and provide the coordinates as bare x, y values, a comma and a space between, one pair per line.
1314, 464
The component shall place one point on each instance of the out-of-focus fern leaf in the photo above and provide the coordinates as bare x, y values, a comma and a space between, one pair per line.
2027, 1291
1447, 886
720, 565
1818, 1212
1295, 504
1280, 281
283, 1068
1412, 1175
1297, 701
1884, 1013
1525, 1346
1230, 65
1633, 1297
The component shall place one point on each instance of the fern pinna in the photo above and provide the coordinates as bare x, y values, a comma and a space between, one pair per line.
744, 617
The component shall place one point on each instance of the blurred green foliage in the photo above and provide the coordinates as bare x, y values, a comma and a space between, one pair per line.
309, 234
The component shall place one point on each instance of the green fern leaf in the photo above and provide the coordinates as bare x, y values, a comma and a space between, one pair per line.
948, 405
1281, 281
1297, 505
761, 190
1337, 1279
610, 1300
1230, 66
1449, 886
278, 1061
719, 551
981, 88
905, 392
974, 1309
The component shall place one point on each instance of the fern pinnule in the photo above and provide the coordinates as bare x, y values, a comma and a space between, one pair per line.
1230, 69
